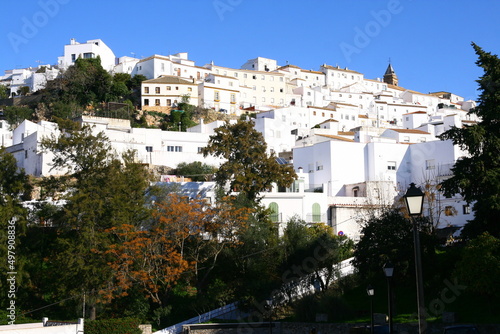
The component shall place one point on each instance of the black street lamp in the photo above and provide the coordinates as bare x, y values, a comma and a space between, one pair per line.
414, 200
389, 271
371, 292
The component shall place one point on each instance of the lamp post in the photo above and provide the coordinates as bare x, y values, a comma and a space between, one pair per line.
414, 200
371, 291
389, 271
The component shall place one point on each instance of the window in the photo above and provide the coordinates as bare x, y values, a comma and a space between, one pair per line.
216, 96
466, 209
190, 89
263, 77
271, 89
314, 113
146, 90
169, 88
73, 57
391, 165
316, 213
272, 99
157, 102
274, 212
263, 99
176, 87
233, 98
281, 90
169, 102
146, 102
231, 83
263, 88
174, 148
200, 150
157, 90
245, 75
254, 77
430, 164
355, 191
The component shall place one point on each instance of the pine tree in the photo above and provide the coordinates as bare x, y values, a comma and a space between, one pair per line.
477, 176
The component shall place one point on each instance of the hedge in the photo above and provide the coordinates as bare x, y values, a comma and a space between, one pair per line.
113, 326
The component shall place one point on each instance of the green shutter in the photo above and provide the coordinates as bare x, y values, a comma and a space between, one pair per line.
274, 208
316, 213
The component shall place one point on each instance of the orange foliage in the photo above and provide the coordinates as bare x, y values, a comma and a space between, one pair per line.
156, 254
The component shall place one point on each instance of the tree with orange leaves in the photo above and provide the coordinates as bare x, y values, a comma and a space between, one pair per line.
182, 234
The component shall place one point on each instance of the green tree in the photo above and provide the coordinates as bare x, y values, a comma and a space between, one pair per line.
311, 249
120, 87
248, 168
16, 115
477, 176
4, 92
85, 83
196, 171
105, 192
386, 238
479, 267
14, 188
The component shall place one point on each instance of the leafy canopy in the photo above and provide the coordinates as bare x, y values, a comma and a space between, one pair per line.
477, 176
248, 168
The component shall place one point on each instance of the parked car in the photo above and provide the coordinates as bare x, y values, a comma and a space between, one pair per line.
460, 329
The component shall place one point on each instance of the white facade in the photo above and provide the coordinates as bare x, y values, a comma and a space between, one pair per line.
5, 134
166, 92
90, 49
45, 327
153, 146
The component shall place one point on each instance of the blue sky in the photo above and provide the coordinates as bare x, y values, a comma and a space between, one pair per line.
428, 42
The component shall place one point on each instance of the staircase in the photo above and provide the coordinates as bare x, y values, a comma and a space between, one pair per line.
288, 292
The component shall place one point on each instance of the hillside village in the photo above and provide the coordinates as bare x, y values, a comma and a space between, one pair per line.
355, 143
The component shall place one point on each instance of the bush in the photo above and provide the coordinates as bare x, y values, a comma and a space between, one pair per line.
113, 326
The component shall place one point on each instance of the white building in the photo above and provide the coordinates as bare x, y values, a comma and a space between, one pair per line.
90, 49
153, 146
164, 93
45, 327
